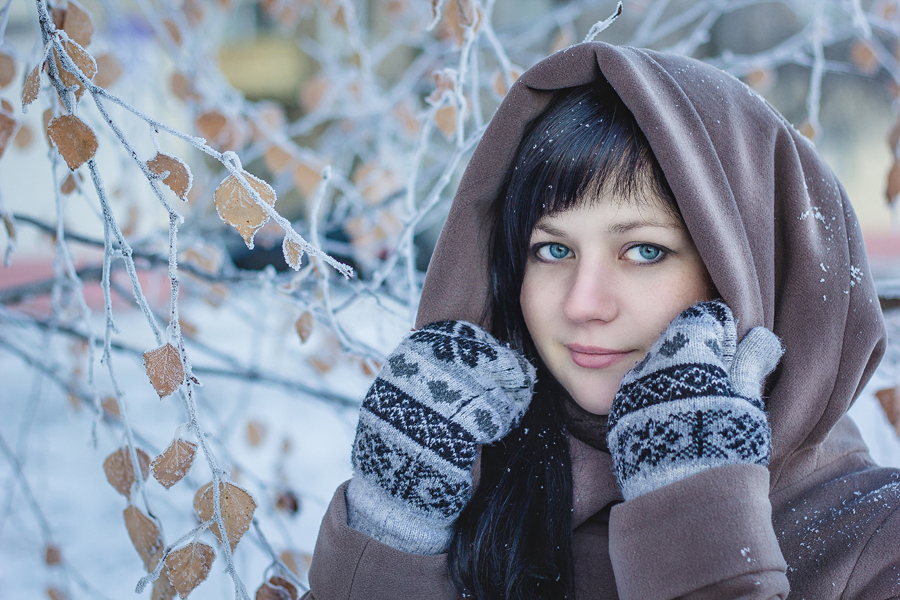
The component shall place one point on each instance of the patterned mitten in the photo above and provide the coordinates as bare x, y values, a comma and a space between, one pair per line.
447, 388
693, 402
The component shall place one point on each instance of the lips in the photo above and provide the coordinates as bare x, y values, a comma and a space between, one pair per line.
593, 357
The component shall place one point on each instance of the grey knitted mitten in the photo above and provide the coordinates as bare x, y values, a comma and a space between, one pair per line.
694, 402
447, 388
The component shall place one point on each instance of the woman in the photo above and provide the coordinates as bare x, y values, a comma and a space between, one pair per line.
655, 282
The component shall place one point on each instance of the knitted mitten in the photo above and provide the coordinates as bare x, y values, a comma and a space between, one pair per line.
693, 402
447, 388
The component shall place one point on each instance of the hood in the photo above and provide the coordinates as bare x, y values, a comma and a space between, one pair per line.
770, 220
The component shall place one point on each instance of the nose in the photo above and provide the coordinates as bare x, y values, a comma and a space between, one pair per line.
591, 293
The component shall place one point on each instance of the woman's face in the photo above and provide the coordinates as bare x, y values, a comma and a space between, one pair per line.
602, 282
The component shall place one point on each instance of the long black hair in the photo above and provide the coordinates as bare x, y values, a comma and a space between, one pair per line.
513, 539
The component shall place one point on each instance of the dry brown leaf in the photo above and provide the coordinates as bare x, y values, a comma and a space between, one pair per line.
78, 23
173, 30
7, 69
277, 159
256, 433
144, 534
162, 587
210, 124
52, 555
10, 226
564, 38
237, 207
108, 70
24, 137
207, 258
761, 79
312, 92
445, 118
84, 61
54, 593
277, 588
304, 325
7, 129
306, 179
182, 87
893, 183
237, 508
164, 368
369, 368
6, 105
119, 470
808, 131
32, 87
189, 566
69, 184
74, 139
173, 464
110, 407
499, 83
177, 174
59, 15
295, 561
407, 119
293, 253
889, 398
862, 55
320, 365
287, 501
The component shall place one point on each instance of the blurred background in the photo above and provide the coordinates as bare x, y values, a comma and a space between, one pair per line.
358, 116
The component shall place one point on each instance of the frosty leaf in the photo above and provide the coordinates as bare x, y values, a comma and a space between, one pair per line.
177, 174
164, 368
293, 252
6, 105
277, 588
7, 69
321, 366
10, 226
210, 124
889, 398
78, 24
499, 82
237, 207
761, 79
108, 70
237, 508
84, 61
294, 560
24, 137
52, 555
313, 92
54, 593
256, 433
144, 534
173, 30
306, 179
207, 258
564, 38
119, 470
189, 566
304, 326
69, 184
172, 465
277, 159
445, 118
182, 87
893, 183
74, 139
808, 130
7, 128
162, 587
287, 501
862, 55
110, 407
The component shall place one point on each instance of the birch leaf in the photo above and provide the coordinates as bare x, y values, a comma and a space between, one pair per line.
164, 368
24, 137
119, 470
177, 174
237, 207
84, 61
173, 464
256, 433
304, 326
237, 508
162, 587
69, 184
277, 588
52, 555
74, 139
7, 69
189, 566
144, 534
292, 253
277, 159
862, 55
78, 23
7, 128
445, 118
108, 70
306, 179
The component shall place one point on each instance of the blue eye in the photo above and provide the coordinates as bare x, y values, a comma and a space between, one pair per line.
552, 252
645, 253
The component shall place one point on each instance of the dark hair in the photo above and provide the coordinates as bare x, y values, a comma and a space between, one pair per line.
513, 539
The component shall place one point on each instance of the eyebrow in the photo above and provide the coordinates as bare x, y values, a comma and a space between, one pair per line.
615, 228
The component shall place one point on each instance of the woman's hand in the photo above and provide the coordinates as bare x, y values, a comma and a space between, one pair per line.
447, 388
693, 402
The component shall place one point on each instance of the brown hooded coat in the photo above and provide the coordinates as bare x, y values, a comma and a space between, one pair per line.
780, 240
